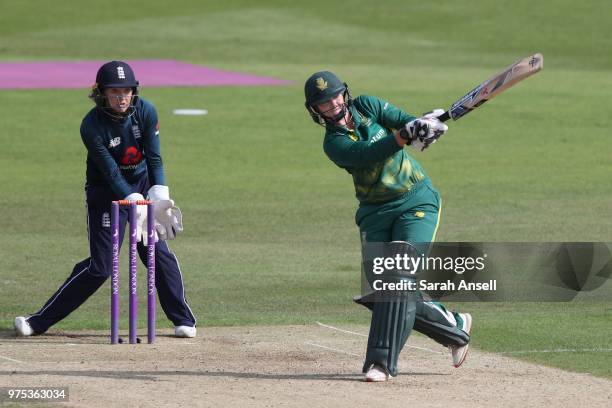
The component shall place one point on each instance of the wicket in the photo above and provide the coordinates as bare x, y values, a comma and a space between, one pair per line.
133, 261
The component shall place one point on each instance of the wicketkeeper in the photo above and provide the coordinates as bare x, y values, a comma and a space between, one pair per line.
368, 137
121, 134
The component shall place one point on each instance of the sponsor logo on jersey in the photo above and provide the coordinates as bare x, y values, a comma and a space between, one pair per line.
353, 136
420, 214
120, 73
131, 158
157, 129
114, 142
136, 131
378, 135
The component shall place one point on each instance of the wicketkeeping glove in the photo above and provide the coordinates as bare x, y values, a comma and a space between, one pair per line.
168, 217
422, 132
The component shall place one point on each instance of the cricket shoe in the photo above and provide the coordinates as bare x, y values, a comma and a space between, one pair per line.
377, 373
22, 327
185, 331
460, 352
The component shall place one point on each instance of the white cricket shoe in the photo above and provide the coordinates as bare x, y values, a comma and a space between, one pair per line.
22, 327
185, 331
460, 352
377, 373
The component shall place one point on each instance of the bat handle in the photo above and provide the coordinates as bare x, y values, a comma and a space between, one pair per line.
444, 117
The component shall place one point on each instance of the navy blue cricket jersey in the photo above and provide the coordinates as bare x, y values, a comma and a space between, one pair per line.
120, 152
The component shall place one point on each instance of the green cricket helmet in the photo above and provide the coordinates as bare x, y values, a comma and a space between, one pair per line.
321, 87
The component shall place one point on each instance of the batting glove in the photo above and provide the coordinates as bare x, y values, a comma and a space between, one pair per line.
422, 132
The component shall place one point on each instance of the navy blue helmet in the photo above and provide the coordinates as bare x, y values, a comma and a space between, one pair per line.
114, 74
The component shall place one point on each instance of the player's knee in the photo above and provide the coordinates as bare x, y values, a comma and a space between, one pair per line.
99, 269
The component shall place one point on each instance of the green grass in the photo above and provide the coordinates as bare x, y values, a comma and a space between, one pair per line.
270, 236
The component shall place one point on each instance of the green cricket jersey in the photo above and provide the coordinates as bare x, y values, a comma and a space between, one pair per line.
381, 170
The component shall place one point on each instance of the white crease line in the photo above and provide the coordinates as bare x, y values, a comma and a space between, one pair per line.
595, 350
341, 330
331, 348
12, 359
363, 335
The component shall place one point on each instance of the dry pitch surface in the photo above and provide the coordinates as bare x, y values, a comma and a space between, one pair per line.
305, 366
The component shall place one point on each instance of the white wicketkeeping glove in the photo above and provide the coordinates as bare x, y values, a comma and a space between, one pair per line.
141, 218
422, 132
168, 217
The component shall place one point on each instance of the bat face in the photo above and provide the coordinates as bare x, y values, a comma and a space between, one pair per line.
494, 86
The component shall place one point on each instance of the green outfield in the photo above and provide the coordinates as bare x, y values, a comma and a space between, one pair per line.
269, 221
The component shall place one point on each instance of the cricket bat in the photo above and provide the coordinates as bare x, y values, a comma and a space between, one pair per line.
495, 85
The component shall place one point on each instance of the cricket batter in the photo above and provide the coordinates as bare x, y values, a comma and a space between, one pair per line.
366, 136
121, 134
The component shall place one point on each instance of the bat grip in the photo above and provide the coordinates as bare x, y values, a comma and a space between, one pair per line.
444, 117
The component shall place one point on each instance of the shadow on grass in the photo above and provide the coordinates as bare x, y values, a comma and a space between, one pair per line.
154, 375
58, 337
7, 333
